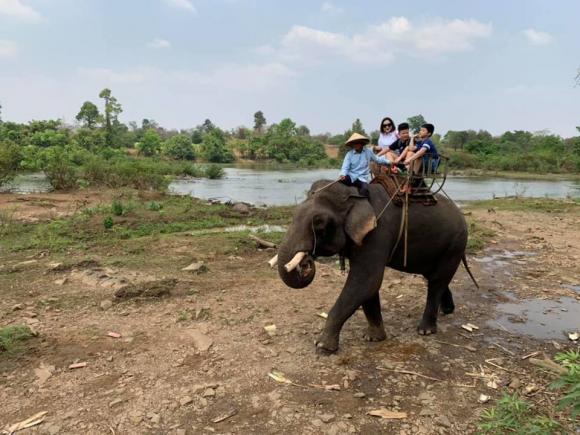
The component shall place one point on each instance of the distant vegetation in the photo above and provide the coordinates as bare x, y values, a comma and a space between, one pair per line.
100, 150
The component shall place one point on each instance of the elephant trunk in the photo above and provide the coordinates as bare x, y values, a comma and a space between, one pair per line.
295, 267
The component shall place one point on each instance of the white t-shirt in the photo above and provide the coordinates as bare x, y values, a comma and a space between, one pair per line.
387, 139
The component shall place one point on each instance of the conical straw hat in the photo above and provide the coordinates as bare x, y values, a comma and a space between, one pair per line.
355, 137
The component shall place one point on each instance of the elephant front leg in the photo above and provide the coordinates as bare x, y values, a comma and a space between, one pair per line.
360, 289
376, 329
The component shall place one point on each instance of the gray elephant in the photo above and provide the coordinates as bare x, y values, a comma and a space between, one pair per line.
336, 220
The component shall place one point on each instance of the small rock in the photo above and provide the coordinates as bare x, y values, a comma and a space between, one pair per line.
209, 392
54, 429
359, 395
185, 400
203, 402
327, 418
442, 420
61, 281
116, 402
106, 304
197, 267
242, 208
426, 412
17, 307
201, 341
347, 416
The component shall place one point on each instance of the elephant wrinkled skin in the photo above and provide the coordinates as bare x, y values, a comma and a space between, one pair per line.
337, 220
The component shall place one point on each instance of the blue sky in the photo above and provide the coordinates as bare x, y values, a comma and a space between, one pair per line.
495, 65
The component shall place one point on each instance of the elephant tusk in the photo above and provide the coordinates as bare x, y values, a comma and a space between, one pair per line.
291, 265
273, 261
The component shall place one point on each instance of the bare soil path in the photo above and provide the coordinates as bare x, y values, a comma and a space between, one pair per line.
197, 360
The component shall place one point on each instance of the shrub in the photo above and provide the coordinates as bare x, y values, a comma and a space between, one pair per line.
214, 147
10, 158
214, 172
12, 335
108, 222
150, 143
60, 169
179, 147
117, 208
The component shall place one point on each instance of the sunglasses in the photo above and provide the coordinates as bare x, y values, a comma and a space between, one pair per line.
387, 125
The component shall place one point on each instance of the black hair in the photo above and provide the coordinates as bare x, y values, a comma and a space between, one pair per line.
403, 126
386, 118
429, 127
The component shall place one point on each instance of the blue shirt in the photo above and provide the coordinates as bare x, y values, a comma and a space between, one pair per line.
430, 146
399, 145
356, 165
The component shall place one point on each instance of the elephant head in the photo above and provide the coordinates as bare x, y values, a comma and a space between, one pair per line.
323, 225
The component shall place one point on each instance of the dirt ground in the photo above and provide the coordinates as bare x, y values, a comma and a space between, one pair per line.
195, 357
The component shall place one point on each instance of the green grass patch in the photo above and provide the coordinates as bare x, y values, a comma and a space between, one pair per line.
131, 218
12, 336
547, 205
479, 236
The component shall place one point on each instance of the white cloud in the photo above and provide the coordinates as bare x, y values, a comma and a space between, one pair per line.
331, 8
536, 37
381, 43
231, 77
7, 48
17, 9
182, 4
159, 43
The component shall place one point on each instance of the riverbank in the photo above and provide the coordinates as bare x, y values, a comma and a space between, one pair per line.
163, 312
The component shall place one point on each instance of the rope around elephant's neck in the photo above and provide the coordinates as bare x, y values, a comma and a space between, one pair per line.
324, 187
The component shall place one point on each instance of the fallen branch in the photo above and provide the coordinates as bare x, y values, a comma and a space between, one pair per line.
408, 372
549, 365
499, 346
531, 354
36, 419
491, 363
262, 243
469, 348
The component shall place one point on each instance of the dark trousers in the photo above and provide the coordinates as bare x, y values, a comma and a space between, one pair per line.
363, 188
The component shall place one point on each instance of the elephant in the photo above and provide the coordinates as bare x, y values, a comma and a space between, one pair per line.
335, 219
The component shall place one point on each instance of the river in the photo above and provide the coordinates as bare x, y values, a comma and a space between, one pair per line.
282, 187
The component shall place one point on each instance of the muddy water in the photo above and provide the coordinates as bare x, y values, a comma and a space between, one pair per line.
540, 318
284, 187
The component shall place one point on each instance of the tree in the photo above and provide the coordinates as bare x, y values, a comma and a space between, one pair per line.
112, 111
89, 114
179, 147
415, 123
302, 130
214, 147
149, 144
9, 160
259, 121
0, 113
207, 126
357, 127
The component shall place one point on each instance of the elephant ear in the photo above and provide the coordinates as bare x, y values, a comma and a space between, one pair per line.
360, 220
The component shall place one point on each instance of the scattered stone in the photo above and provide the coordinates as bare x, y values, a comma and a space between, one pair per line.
209, 392
17, 307
241, 208
149, 289
185, 400
154, 418
197, 267
106, 304
79, 365
43, 373
443, 421
327, 418
270, 330
359, 395
426, 412
116, 402
61, 281
201, 341
483, 398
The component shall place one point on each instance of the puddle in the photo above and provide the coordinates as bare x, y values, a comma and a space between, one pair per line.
542, 319
573, 287
502, 257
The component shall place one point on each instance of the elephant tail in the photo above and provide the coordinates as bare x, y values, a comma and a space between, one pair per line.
464, 261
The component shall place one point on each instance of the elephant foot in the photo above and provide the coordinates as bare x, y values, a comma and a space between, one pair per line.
447, 309
427, 328
326, 346
375, 333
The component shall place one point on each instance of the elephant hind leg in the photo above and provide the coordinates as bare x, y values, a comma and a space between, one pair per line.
372, 310
438, 294
447, 305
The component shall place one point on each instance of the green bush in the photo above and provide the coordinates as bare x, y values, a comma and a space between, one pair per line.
10, 158
60, 169
12, 335
214, 172
150, 143
108, 222
117, 208
214, 147
179, 147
